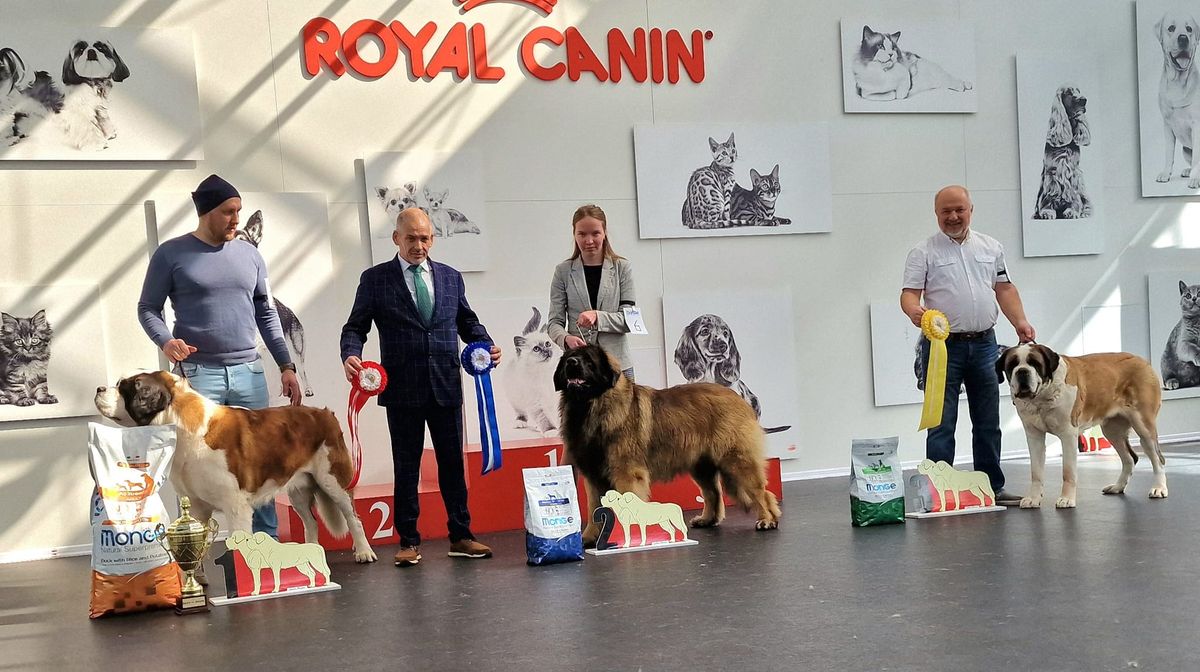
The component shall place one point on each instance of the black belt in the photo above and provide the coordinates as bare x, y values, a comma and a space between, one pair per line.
969, 335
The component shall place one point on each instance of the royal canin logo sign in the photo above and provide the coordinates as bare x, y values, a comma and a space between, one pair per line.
461, 50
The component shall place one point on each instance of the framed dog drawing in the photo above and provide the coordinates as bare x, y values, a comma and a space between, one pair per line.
447, 186
91, 93
1168, 96
742, 341
1062, 163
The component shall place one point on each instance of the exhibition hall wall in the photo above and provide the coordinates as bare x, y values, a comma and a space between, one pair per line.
773, 71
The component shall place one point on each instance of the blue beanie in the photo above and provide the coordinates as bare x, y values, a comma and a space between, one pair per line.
212, 192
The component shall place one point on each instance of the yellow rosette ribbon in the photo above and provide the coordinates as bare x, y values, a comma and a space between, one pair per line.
936, 328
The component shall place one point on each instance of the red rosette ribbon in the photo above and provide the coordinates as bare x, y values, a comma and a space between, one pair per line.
369, 382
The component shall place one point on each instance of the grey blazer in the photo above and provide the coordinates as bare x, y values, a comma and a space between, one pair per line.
569, 298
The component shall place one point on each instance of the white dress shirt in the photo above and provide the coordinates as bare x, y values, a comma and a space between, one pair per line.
959, 280
427, 276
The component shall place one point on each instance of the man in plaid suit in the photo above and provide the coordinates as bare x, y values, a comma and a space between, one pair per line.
420, 309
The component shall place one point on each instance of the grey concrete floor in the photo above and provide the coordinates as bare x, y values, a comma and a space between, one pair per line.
1111, 585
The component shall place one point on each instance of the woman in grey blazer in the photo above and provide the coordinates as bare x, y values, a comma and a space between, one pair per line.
590, 290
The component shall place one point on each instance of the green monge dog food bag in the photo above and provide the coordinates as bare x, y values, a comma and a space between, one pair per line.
876, 482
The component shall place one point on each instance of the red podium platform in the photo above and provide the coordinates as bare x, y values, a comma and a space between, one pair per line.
497, 500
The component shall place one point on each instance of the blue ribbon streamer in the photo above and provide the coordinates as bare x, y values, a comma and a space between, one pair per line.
489, 429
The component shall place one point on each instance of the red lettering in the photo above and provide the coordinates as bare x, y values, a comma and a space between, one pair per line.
656, 56
451, 54
541, 34
483, 70
319, 41
678, 54
621, 52
388, 52
414, 44
581, 58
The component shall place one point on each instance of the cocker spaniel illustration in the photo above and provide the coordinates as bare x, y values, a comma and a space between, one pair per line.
1061, 195
707, 353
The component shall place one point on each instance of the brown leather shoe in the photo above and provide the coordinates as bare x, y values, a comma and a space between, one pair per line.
469, 548
407, 556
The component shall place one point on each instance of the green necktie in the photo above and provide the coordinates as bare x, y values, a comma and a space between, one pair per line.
424, 303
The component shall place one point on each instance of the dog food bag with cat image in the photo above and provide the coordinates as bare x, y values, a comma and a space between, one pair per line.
552, 526
131, 571
876, 482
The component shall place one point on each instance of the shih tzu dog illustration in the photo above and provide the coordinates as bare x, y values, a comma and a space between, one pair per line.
24, 101
293, 330
88, 75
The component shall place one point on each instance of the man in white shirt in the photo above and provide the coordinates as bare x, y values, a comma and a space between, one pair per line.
962, 273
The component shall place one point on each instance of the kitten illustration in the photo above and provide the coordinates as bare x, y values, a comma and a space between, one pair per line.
884, 71
756, 206
446, 221
1181, 357
293, 330
24, 359
709, 189
529, 381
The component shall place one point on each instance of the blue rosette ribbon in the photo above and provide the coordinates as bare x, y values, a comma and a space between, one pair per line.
477, 360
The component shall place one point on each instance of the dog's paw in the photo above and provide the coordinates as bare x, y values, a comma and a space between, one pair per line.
1164, 176
1194, 183
1031, 502
1158, 493
1064, 503
1186, 172
1114, 489
1171, 384
24, 402
701, 521
48, 399
366, 556
766, 524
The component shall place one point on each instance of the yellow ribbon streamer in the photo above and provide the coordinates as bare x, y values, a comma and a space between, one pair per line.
936, 328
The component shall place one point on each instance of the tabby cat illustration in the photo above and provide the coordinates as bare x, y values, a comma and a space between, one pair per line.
756, 206
1181, 357
884, 71
710, 188
24, 359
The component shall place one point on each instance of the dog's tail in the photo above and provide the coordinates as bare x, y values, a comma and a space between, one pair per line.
335, 522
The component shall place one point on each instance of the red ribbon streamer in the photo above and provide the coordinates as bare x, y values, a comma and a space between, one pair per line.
358, 398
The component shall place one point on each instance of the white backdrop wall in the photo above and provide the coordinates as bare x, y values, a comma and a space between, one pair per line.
550, 146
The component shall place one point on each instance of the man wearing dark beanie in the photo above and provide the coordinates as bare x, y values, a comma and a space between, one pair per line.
221, 297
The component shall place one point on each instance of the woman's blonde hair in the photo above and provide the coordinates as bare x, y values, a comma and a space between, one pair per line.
594, 211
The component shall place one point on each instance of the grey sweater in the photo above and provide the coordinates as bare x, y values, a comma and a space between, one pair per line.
220, 296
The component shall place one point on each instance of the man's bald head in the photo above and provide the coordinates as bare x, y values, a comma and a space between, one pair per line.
953, 190
413, 235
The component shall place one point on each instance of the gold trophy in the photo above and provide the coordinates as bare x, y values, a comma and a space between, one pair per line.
187, 540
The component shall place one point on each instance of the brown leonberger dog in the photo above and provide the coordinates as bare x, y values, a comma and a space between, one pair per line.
623, 437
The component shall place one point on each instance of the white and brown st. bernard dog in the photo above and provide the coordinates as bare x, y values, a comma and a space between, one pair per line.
1061, 395
233, 459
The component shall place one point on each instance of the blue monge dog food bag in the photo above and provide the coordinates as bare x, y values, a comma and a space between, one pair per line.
552, 525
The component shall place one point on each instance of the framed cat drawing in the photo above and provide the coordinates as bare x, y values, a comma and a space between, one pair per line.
908, 65
52, 354
732, 179
1175, 331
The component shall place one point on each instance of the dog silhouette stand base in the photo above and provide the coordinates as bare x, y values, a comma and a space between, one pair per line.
938, 489
660, 524
294, 569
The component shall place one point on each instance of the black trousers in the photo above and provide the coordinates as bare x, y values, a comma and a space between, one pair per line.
407, 427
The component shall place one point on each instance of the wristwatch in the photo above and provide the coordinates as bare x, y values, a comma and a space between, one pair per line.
287, 367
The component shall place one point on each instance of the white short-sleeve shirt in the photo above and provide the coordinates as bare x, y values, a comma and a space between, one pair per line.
959, 280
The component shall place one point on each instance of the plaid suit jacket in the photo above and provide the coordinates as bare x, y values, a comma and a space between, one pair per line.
421, 360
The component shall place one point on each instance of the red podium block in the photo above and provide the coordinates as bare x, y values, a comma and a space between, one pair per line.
496, 500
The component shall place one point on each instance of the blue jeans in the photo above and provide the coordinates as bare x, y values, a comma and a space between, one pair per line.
236, 385
971, 364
